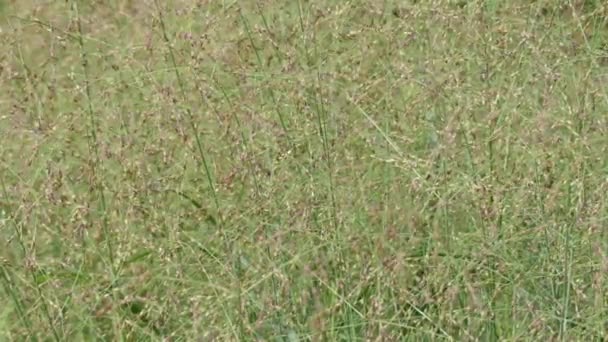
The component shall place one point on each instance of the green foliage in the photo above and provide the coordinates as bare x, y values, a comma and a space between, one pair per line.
304, 170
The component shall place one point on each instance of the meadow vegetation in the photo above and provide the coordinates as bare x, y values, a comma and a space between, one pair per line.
302, 170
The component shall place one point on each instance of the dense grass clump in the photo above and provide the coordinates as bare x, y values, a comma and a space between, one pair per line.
303, 170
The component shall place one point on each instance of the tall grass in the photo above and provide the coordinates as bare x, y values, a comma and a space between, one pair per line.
319, 170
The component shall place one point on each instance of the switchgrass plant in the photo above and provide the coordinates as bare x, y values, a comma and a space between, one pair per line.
303, 170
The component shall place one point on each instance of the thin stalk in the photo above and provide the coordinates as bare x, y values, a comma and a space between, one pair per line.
321, 122
199, 143
93, 139
322, 119
182, 88
321, 114
568, 257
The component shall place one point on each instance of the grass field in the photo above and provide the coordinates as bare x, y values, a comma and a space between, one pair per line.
315, 170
